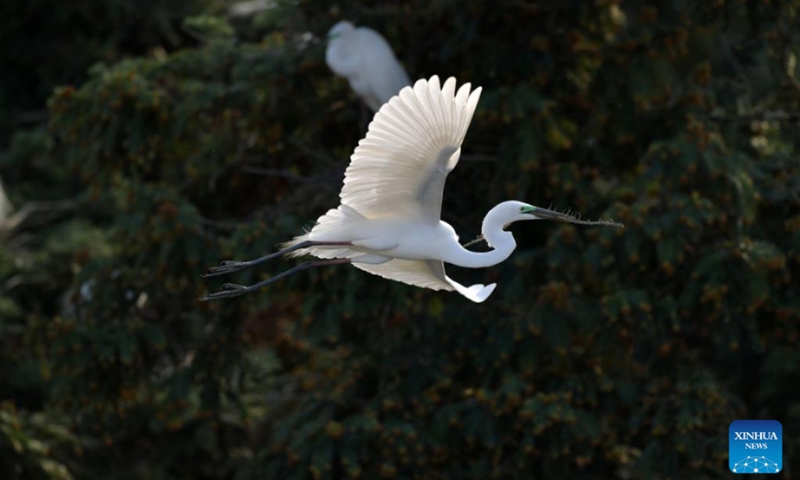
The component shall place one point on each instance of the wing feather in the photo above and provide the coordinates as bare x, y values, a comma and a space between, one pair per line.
420, 273
399, 169
426, 274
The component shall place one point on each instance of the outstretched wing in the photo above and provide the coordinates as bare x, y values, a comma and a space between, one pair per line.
426, 274
414, 141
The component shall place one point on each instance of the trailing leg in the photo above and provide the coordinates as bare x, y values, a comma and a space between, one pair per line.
233, 290
230, 266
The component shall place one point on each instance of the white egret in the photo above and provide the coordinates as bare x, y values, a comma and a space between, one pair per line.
388, 222
365, 59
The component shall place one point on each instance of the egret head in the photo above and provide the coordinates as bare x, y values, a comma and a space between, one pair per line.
341, 55
342, 28
512, 211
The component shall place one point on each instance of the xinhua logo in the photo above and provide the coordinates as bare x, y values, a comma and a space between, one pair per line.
755, 446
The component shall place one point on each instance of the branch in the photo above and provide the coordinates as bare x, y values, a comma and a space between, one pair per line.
17, 219
21, 279
273, 172
249, 8
479, 239
776, 116
317, 154
218, 224
34, 116
479, 157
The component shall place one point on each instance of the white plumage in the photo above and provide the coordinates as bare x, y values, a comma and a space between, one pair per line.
365, 59
388, 222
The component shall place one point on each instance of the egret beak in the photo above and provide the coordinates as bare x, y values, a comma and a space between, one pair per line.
547, 214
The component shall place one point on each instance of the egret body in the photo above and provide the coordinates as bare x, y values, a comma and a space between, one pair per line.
388, 222
365, 59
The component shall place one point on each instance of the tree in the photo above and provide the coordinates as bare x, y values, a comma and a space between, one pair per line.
603, 354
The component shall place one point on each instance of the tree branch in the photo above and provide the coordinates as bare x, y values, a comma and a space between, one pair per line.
27, 210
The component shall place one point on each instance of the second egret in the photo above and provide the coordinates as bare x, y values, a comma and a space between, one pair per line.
365, 59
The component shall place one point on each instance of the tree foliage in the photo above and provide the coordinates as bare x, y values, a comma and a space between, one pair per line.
603, 353
46, 44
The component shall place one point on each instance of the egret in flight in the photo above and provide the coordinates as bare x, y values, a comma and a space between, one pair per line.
388, 222
365, 59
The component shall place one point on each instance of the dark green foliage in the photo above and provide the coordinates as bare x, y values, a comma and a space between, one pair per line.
603, 353
46, 44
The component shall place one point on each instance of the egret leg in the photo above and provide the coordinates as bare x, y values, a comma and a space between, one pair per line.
233, 290
230, 266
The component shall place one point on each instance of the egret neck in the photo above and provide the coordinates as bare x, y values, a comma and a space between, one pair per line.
501, 241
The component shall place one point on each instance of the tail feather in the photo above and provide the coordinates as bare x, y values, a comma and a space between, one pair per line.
328, 228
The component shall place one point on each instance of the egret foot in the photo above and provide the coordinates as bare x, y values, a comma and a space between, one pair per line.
228, 266
226, 291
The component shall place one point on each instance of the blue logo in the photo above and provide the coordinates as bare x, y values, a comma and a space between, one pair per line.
755, 446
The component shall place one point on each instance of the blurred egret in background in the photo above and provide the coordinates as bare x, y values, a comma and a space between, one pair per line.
388, 222
5, 204
365, 59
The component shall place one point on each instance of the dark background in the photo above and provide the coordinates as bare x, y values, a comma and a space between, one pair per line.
142, 142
